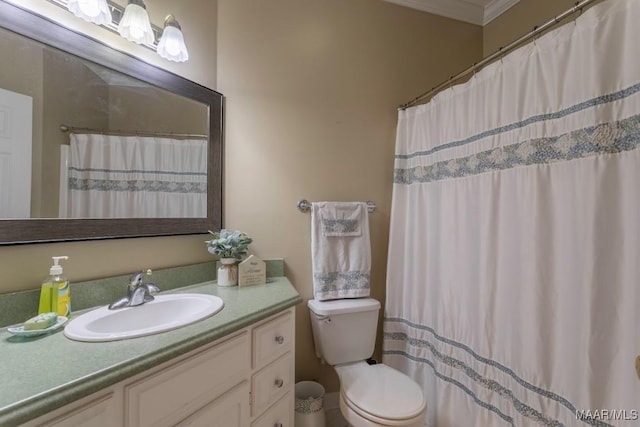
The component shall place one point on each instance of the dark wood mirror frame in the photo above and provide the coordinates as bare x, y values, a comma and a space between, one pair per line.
50, 33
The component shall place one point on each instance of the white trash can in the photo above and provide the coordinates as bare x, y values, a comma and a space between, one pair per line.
309, 404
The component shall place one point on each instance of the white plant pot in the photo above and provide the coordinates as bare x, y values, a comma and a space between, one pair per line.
228, 272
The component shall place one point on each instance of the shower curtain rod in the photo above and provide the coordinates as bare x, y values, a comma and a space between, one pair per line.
65, 128
499, 53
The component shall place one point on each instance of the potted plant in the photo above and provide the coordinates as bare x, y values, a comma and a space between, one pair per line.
230, 247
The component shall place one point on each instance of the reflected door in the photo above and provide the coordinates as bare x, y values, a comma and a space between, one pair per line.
15, 154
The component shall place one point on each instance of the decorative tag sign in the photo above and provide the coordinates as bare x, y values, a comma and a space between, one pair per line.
252, 271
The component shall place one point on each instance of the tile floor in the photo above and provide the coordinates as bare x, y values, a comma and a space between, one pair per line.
334, 418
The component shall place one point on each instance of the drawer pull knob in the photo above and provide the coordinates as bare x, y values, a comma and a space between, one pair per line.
277, 425
280, 339
279, 382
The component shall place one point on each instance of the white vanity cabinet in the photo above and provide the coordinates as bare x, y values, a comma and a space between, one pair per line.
241, 380
102, 409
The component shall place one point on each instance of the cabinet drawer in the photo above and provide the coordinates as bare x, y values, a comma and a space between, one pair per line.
279, 415
271, 383
168, 396
272, 339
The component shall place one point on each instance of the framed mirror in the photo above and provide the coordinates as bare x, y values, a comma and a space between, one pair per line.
97, 144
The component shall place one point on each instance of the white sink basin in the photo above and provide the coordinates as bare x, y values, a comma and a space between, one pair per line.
165, 312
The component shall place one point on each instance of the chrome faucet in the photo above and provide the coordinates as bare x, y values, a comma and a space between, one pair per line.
138, 292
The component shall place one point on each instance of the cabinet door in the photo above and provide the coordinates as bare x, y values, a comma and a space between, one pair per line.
163, 398
229, 410
100, 412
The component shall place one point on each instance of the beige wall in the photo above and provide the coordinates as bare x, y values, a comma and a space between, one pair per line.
151, 109
519, 20
311, 94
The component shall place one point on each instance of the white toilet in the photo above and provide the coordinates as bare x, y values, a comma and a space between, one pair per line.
344, 332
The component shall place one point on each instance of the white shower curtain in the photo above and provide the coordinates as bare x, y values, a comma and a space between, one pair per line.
136, 177
513, 283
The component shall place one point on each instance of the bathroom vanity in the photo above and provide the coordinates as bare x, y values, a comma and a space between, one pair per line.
235, 368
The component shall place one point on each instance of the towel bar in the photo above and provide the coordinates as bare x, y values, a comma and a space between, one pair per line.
304, 206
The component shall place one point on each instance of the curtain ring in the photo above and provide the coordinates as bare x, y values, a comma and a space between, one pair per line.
579, 10
451, 83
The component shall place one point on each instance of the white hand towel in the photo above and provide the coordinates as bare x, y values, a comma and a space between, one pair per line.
340, 250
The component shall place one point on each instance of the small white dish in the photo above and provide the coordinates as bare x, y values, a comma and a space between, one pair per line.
20, 331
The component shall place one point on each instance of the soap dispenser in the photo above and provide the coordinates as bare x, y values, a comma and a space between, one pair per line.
55, 295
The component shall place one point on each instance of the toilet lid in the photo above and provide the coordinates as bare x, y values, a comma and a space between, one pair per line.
381, 391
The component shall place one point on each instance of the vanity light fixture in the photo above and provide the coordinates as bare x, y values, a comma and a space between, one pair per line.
132, 23
171, 45
96, 11
135, 25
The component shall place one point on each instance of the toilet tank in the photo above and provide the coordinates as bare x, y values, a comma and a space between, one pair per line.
344, 330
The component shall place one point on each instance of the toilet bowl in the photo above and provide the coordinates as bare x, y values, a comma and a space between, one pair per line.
371, 395
378, 395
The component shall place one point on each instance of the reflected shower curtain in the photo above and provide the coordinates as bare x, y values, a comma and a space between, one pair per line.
513, 283
136, 177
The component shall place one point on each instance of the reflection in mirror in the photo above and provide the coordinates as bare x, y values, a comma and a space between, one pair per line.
89, 133
125, 175
132, 151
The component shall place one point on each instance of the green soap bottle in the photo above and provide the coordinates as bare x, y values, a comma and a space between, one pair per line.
55, 296
48, 298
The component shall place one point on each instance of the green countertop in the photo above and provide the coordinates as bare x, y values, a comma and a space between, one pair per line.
40, 374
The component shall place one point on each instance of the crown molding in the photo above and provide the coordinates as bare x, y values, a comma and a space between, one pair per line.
496, 8
479, 12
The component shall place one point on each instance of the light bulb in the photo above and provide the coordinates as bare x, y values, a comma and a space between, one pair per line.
134, 25
136, 33
96, 11
89, 8
171, 45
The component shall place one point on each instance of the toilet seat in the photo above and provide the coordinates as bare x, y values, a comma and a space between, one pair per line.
359, 419
381, 394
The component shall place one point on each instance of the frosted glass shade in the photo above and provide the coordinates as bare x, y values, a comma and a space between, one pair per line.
96, 11
135, 26
171, 45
